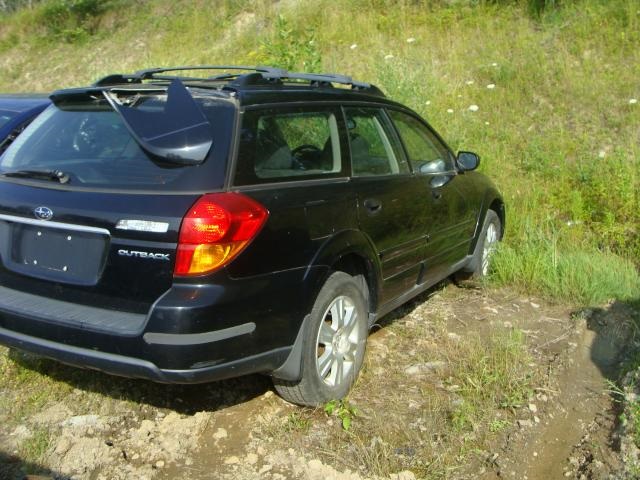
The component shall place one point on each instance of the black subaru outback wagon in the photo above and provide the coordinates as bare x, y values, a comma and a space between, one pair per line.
191, 228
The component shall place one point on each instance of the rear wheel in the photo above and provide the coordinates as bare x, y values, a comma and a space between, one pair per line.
334, 344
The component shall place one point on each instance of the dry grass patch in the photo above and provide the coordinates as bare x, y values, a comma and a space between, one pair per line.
433, 393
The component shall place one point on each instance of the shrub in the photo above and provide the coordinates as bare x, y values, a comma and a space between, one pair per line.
71, 20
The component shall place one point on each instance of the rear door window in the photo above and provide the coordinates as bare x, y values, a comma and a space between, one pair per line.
285, 144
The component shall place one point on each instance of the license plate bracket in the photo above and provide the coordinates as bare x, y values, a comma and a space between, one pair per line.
56, 254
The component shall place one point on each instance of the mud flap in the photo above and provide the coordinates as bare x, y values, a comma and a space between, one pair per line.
291, 369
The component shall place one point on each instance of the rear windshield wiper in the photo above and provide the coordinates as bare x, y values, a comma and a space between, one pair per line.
54, 175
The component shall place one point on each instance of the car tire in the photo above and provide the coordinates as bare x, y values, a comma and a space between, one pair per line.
490, 236
334, 344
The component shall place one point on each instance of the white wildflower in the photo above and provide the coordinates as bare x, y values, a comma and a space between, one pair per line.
428, 102
411, 40
486, 123
494, 64
388, 57
459, 96
491, 86
474, 108
602, 154
449, 110
633, 101
470, 82
354, 46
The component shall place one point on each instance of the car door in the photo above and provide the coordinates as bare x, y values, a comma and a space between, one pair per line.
451, 220
391, 209
291, 159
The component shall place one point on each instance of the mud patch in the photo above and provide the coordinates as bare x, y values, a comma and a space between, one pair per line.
577, 435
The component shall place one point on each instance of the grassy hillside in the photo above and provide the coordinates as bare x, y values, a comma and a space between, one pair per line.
556, 124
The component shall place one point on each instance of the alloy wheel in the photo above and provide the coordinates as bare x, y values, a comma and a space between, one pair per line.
337, 341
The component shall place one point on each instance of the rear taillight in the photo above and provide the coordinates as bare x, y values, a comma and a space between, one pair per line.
215, 230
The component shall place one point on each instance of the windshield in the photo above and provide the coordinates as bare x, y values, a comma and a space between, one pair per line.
89, 142
6, 116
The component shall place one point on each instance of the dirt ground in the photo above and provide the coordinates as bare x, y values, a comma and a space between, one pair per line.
431, 403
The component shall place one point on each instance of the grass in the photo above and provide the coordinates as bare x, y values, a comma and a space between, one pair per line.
488, 375
298, 421
26, 389
498, 425
563, 273
33, 448
557, 133
434, 422
627, 395
634, 419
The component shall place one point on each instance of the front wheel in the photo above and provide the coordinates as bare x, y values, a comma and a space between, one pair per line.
490, 235
333, 346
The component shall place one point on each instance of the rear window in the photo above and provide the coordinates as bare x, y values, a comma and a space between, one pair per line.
91, 144
289, 144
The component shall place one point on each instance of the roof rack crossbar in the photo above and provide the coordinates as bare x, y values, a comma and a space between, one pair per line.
322, 78
240, 76
151, 72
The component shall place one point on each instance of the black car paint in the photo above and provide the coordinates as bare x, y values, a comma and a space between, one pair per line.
25, 108
247, 316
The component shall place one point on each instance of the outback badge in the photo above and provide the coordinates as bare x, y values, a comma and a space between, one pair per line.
149, 255
43, 213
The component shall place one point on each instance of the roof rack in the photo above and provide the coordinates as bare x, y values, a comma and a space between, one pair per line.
242, 76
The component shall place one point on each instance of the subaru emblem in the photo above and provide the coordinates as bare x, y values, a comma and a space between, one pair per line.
43, 213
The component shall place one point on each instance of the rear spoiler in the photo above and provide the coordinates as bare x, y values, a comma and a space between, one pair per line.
179, 133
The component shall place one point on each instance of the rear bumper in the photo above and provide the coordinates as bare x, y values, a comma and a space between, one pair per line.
136, 368
191, 334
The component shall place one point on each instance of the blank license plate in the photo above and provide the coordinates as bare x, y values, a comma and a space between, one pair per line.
55, 254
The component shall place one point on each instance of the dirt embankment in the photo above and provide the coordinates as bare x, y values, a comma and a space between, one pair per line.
461, 383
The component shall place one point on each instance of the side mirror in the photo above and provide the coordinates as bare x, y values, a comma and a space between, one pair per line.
468, 161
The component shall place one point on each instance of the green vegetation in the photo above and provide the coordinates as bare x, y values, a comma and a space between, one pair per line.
553, 82
70, 20
298, 421
34, 447
564, 272
626, 393
343, 410
498, 425
634, 420
466, 391
25, 376
489, 374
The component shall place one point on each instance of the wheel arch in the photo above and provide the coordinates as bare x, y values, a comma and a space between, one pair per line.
497, 205
349, 251
492, 200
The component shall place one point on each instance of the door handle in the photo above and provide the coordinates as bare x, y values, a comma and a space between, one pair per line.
372, 205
